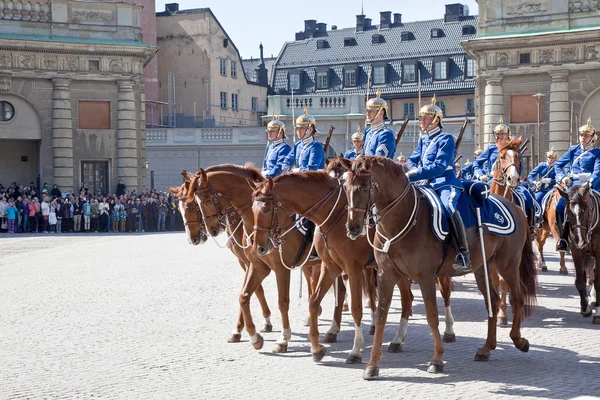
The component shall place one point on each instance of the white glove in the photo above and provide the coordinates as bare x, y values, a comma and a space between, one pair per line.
484, 178
546, 181
566, 181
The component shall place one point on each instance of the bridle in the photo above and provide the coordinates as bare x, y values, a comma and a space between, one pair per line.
502, 180
594, 217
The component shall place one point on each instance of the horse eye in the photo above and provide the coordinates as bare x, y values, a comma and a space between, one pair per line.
266, 210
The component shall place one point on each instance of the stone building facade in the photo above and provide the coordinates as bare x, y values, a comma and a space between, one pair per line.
72, 94
546, 47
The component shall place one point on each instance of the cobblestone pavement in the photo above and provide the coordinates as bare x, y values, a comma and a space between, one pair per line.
148, 317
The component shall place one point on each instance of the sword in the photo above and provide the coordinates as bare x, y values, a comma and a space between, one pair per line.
460, 135
485, 267
523, 146
326, 147
401, 131
457, 159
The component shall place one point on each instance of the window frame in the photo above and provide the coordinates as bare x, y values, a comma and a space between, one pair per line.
223, 100
407, 107
296, 74
254, 104
3, 111
437, 69
442, 105
472, 111
474, 63
223, 66
351, 70
235, 102
233, 67
385, 73
414, 65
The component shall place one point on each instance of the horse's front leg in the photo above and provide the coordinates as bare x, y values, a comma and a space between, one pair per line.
256, 273
356, 289
445, 286
540, 241
428, 290
595, 289
580, 262
282, 275
406, 298
483, 353
327, 276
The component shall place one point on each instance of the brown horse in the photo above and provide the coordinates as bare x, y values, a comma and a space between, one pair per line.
406, 247
548, 228
196, 232
223, 196
583, 212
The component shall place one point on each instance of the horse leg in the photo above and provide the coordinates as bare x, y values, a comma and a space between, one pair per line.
503, 303
563, 266
336, 322
580, 262
428, 290
484, 353
497, 284
255, 275
283, 276
385, 286
311, 273
445, 286
595, 287
369, 288
327, 275
236, 334
266, 311
406, 297
356, 288
541, 241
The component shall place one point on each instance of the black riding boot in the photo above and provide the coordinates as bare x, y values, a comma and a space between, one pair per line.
462, 263
532, 227
563, 228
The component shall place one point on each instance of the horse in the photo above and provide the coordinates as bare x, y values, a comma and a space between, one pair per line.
415, 252
583, 210
196, 232
549, 227
224, 197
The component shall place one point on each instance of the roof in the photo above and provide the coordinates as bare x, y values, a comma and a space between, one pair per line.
251, 65
304, 52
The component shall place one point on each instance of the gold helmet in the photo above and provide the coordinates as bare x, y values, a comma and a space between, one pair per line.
276, 124
478, 151
306, 121
501, 128
378, 104
358, 135
552, 154
401, 157
432, 111
467, 163
588, 128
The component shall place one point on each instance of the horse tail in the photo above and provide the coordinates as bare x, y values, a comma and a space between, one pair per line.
528, 276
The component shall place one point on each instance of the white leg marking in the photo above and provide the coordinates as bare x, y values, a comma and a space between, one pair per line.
285, 337
401, 332
593, 295
268, 321
334, 329
449, 321
236, 332
254, 338
358, 341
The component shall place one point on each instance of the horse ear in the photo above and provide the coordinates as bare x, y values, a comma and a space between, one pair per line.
367, 164
187, 176
585, 189
173, 189
345, 163
519, 141
562, 192
251, 183
269, 185
203, 177
327, 162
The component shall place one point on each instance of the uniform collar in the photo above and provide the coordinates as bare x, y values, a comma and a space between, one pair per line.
432, 132
360, 151
377, 127
276, 142
588, 147
308, 140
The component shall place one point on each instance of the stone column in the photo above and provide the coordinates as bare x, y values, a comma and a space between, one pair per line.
127, 153
559, 127
62, 135
142, 136
494, 106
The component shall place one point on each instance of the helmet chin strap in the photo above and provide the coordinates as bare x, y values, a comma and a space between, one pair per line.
375, 117
427, 127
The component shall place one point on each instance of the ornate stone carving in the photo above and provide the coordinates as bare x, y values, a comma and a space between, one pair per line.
591, 53
568, 54
115, 66
502, 60
5, 60
546, 56
91, 15
28, 61
50, 62
72, 63
5, 83
527, 8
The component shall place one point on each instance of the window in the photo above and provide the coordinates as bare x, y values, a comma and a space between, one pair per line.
379, 75
234, 102
471, 68
349, 42
524, 58
223, 100
468, 30
376, 39
94, 65
95, 174
441, 104
410, 73
322, 80
407, 36
295, 81
440, 70
437, 33
223, 66
470, 107
93, 114
254, 104
233, 69
350, 77
225, 42
322, 44
409, 110
7, 111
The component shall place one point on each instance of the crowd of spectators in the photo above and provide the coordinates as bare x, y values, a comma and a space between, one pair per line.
49, 210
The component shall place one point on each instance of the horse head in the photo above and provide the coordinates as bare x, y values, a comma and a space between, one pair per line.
335, 168
508, 164
360, 191
190, 212
209, 202
583, 212
266, 222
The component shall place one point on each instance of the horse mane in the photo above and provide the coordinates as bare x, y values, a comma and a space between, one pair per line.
514, 144
393, 169
307, 176
247, 169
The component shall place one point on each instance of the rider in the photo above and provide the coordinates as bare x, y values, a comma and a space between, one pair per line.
277, 150
358, 143
433, 161
584, 159
308, 152
467, 171
543, 177
379, 139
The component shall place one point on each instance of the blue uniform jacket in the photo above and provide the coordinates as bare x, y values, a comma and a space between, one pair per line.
588, 162
275, 156
543, 170
467, 172
380, 143
352, 154
308, 154
484, 163
433, 160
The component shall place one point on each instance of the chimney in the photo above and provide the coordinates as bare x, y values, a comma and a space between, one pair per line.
397, 19
334, 27
385, 19
360, 23
321, 29
310, 27
367, 23
454, 12
262, 60
172, 7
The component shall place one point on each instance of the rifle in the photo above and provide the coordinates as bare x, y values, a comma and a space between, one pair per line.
524, 149
460, 135
401, 131
523, 146
326, 146
457, 159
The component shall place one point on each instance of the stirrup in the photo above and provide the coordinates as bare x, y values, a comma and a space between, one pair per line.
562, 246
461, 268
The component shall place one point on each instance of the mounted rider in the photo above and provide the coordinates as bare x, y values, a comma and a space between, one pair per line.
467, 171
584, 159
308, 153
277, 150
433, 161
543, 177
379, 139
358, 144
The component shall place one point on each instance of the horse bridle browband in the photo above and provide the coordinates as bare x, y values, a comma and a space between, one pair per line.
223, 215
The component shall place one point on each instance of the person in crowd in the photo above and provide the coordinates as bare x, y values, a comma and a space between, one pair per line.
162, 214
11, 214
120, 189
34, 213
55, 192
45, 207
77, 211
25, 215
86, 211
123, 216
52, 218
58, 212
104, 215
95, 216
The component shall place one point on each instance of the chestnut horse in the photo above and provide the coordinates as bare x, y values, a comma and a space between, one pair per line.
225, 199
583, 212
196, 233
549, 228
414, 252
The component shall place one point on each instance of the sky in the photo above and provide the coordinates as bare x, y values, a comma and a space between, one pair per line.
274, 22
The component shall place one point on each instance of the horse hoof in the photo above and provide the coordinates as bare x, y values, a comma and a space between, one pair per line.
354, 359
235, 338
587, 313
395, 348
525, 347
318, 356
563, 272
266, 328
544, 268
320, 311
259, 343
435, 368
345, 307
280, 348
330, 338
482, 355
593, 304
502, 321
368, 304
370, 373
596, 319
449, 338
372, 330
307, 322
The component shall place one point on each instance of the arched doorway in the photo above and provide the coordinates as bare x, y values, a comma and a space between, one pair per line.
20, 139
590, 108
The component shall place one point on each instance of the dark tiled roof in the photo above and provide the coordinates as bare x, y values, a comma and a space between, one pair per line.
250, 67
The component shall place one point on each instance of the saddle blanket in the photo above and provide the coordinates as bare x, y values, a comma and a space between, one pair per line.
495, 216
546, 200
525, 199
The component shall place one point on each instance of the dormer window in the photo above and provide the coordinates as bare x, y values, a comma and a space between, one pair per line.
468, 30
322, 78
322, 44
437, 33
406, 36
349, 41
379, 74
294, 80
377, 38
